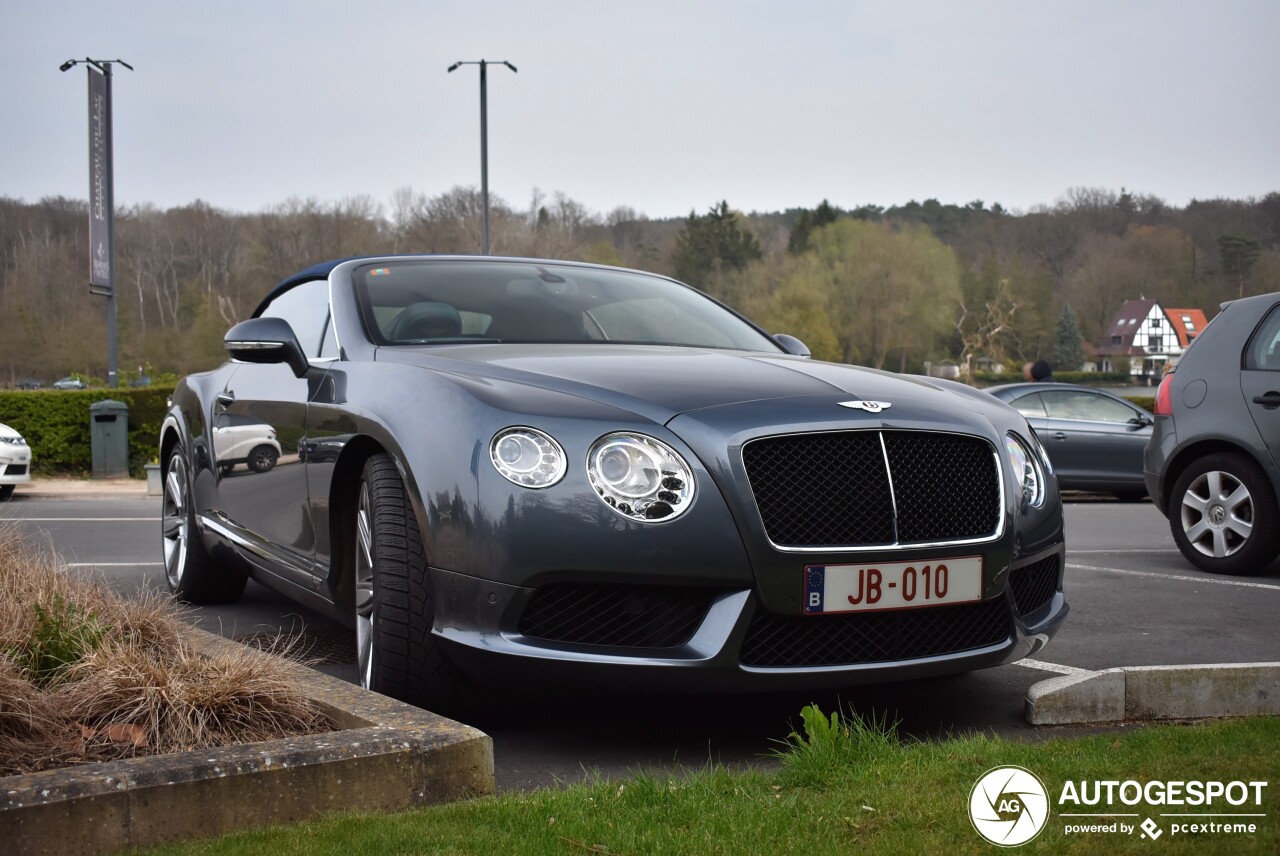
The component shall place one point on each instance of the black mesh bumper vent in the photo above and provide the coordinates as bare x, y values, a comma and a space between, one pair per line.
775, 641
618, 616
833, 489
1033, 586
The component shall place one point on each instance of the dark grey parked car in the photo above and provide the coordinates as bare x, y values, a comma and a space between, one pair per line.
521, 470
1210, 465
1095, 439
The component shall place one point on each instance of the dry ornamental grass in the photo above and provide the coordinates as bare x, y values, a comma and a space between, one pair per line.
86, 675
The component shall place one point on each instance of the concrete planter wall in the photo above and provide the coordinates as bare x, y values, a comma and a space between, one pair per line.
384, 756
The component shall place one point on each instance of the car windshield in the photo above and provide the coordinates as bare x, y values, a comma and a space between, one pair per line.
450, 302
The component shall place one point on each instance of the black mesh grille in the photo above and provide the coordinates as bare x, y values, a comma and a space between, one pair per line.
946, 486
821, 490
832, 490
874, 637
625, 616
15, 470
1033, 586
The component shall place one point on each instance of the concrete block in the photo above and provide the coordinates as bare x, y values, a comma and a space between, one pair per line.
1081, 698
1202, 691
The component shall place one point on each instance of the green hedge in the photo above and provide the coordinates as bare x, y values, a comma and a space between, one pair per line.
56, 425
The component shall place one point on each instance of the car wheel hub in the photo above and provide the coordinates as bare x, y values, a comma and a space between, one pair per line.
1217, 514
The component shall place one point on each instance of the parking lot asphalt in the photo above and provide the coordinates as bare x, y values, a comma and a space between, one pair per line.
1134, 601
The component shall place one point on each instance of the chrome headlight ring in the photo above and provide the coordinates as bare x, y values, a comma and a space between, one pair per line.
1028, 469
640, 478
528, 457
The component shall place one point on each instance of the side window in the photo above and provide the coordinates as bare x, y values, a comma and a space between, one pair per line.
1071, 404
1029, 405
1263, 352
306, 308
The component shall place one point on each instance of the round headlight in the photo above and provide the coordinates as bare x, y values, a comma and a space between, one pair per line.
639, 477
1027, 469
527, 457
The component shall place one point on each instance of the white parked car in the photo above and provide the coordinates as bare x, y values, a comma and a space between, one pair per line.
239, 439
15, 461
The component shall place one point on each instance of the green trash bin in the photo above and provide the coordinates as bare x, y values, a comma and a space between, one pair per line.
109, 438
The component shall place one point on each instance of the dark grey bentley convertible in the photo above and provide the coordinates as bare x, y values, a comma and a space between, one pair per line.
510, 469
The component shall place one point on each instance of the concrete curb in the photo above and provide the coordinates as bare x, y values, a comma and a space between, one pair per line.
1156, 692
386, 756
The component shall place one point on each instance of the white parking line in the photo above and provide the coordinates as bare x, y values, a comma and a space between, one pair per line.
1123, 550
1051, 667
115, 564
80, 519
1213, 580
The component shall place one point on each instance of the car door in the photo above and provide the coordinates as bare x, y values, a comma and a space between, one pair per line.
268, 508
1095, 441
1260, 380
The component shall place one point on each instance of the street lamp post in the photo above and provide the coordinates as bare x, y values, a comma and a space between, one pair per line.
102, 263
484, 137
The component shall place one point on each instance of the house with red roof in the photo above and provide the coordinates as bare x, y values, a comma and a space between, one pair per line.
1149, 336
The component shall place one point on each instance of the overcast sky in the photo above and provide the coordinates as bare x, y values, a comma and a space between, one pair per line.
662, 106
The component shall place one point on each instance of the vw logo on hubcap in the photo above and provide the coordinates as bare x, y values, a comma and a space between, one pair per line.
1217, 515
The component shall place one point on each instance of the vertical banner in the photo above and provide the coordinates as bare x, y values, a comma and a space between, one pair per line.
100, 191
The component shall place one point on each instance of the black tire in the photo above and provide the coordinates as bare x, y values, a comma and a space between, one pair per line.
1224, 516
190, 572
262, 458
6, 491
394, 603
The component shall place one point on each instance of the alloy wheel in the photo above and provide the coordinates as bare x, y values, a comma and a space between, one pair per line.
365, 612
1217, 514
174, 521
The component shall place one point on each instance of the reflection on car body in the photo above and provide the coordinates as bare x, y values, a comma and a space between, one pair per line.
1094, 438
239, 439
519, 470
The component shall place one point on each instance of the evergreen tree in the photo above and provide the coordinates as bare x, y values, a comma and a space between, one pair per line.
1068, 345
713, 242
821, 216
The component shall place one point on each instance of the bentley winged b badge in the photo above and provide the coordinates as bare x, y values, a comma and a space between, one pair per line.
869, 406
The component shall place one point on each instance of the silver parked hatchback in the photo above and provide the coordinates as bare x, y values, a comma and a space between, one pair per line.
1210, 464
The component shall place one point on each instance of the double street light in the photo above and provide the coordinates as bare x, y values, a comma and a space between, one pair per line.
484, 136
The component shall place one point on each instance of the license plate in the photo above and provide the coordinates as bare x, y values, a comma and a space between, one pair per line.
891, 585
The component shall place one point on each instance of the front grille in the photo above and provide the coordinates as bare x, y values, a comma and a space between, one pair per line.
1033, 586
618, 616
16, 470
833, 489
775, 641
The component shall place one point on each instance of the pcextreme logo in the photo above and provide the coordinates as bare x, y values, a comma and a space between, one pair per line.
1009, 806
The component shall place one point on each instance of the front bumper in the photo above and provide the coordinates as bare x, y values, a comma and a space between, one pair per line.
736, 646
15, 464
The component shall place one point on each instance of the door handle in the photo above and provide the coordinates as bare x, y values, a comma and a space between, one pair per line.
1269, 400
225, 399
1058, 435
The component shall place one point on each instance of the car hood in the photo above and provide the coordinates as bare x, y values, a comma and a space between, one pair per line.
663, 382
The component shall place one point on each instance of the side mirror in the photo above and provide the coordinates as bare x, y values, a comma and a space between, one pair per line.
791, 345
1141, 422
266, 340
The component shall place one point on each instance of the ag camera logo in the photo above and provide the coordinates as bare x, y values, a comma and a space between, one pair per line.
1009, 806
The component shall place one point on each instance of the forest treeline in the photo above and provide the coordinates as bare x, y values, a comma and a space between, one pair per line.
885, 287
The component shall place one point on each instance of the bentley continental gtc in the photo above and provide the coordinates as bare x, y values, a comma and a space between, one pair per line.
512, 470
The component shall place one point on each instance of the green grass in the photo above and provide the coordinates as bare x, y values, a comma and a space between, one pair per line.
843, 787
